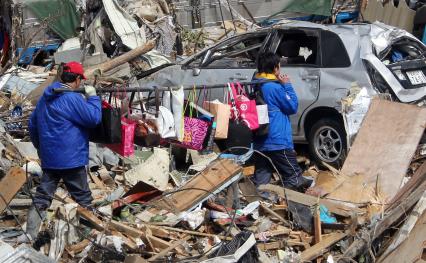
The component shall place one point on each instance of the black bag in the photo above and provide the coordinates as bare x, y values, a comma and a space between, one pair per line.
109, 130
239, 135
257, 95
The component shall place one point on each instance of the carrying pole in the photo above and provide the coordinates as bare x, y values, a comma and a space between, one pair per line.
145, 89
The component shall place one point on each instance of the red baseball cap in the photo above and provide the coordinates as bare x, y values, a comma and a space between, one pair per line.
75, 67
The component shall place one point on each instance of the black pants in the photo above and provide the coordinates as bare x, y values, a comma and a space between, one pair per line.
286, 163
74, 179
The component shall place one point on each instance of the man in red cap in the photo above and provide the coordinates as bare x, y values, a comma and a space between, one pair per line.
59, 129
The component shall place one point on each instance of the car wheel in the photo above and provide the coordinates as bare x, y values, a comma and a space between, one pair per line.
327, 142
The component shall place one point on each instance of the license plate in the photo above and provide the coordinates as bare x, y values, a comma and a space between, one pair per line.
416, 77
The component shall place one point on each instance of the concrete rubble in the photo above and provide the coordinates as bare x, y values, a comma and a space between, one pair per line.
168, 204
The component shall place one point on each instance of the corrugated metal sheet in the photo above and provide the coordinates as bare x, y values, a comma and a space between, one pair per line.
401, 16
211, 16
25, 254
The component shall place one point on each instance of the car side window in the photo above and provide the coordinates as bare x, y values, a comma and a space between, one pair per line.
239, 52
334, 54
299, 47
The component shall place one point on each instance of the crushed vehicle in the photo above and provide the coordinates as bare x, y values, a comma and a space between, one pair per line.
323, 61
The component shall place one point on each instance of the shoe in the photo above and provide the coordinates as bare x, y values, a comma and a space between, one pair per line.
303, 184
34, 221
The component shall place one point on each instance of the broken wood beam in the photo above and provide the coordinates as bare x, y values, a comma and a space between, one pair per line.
89, 216
280, 244
308, 200
128, 230
117, 61
321, 247
275, 214
164, 252
391, 216
77, 248
317, 225
194, 233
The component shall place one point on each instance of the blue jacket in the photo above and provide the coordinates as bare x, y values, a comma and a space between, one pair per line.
282, 102
59, 127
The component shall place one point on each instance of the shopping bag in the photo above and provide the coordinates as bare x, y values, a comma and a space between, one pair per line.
125, 147
194, 130
173, 100
109, 130
246, 111
222, 113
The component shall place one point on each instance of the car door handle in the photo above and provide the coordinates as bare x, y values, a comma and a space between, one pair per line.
310, 77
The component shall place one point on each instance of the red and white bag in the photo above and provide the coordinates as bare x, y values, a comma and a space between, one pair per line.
242, 108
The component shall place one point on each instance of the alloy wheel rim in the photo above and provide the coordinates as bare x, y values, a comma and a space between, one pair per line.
328, 144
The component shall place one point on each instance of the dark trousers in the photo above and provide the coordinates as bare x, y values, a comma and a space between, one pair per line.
286, 164
74, 179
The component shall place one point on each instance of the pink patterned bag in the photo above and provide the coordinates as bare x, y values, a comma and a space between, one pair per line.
195, 130
245, 109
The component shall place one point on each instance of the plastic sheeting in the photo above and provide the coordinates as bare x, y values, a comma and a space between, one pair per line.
64, 15
319, 7
124, 25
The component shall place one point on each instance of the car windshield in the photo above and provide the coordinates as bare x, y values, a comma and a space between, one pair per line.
244, 48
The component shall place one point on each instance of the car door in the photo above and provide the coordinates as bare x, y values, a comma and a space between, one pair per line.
232, 60
300, 60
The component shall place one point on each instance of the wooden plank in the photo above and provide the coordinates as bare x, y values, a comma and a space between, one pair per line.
89, 216
418, 177
382, 151
333, 207
412, 249
275, 214
408, 226
317, 226
321, 247
77, 248
359, 245
194, 233
128, 230
97, 181
213, 177
10, 185
158, 244
280, 244
317, 229
164, 252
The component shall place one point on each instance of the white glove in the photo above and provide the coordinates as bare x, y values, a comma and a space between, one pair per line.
89, 91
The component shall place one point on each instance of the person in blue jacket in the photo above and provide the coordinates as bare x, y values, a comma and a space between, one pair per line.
282, 102
59, 131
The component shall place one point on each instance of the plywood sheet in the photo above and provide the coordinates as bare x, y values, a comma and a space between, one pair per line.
199, 187
10, 185
382, 151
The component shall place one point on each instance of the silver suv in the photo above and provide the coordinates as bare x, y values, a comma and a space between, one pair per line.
322, 62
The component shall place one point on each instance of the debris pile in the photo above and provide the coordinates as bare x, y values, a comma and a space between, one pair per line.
147, 209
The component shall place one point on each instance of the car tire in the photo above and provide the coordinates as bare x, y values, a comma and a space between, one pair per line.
327, 142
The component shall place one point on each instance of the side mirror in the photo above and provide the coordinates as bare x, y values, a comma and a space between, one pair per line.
196, 72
